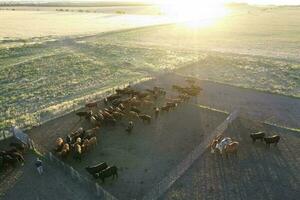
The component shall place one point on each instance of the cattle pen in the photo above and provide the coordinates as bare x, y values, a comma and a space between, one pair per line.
169, 158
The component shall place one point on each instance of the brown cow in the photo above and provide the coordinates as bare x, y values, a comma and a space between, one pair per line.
65, 151
231, 148
59, 144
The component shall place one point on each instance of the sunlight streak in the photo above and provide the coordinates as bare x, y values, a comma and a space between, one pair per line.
194, 13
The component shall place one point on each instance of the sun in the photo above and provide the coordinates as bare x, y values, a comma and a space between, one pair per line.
195, 13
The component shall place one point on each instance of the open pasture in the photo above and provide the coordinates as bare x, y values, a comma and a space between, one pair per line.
256, 172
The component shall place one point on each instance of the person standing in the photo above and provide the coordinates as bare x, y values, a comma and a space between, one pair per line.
39, 166
130, 127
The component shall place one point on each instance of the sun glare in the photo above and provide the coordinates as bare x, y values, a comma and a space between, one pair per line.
194, 13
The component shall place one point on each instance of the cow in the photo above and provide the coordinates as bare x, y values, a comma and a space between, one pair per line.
96, 168
145, 118
135, 109
108, 172
231, 148
133, 115
65, 151
257, 136
272, 139
91, 105
59, 144
77, 152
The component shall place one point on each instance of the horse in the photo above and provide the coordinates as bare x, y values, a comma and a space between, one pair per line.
108, 172
96, 168
145, 118
270, 140
257, 136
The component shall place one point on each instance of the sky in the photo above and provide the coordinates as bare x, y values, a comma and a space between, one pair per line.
274, 2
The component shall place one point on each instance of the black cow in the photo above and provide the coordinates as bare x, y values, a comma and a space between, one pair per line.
96, 168
108, 172
273, 139
257, 136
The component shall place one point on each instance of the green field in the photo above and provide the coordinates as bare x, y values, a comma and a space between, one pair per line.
41, 78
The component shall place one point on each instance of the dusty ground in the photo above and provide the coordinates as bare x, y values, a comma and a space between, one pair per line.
257, 172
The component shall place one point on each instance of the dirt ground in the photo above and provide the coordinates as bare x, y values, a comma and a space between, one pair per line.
146, 155
256, 173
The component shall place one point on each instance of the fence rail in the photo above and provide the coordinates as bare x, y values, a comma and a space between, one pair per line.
95, 188
179, 170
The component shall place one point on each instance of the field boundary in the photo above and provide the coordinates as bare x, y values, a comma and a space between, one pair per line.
180, 169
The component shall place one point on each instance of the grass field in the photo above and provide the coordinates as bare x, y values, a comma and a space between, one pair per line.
43, 70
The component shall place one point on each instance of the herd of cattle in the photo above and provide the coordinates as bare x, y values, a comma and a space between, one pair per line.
128, 105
